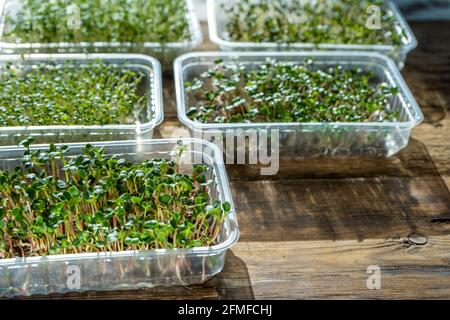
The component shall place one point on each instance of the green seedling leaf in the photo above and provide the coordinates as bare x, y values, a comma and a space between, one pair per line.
132, 241
165, 198
226, 207
150, 224
26, 143
135, 200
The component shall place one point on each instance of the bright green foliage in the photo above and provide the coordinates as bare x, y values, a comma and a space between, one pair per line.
95, 93
284, 92
99, 20
54, 204
319, 21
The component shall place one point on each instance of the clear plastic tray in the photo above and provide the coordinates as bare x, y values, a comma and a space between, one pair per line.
217, 20
127, 269
152, 86
312, 139
165, 52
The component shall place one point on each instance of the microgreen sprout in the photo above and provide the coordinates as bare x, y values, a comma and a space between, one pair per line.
95, 93
320, 21
53, 203
276, 91
99, 21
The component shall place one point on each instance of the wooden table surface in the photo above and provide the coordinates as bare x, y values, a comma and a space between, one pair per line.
312, 230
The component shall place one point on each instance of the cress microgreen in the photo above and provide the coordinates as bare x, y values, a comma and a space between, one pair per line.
94, 93
277, 91
99, 21
319, 21
53, 204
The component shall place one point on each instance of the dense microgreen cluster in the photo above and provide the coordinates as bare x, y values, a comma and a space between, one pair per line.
54, 204
95, 93
319, 21
99, 20
277, 91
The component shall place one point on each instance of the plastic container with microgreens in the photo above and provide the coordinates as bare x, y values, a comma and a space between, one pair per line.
336, 25
79, 97
123, 215
321, 102
163, 29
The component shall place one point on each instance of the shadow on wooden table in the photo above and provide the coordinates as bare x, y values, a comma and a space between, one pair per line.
337, 199
235, 272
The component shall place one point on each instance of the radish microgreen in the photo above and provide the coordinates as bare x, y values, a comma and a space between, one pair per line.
94, 93
277, 91
53, 203
135, 21
319, 21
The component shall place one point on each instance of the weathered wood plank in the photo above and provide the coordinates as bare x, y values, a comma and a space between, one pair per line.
337, 269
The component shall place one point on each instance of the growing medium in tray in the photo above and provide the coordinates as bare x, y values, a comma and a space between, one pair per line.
318, 21
93, 93
55, 204
76, 21
277, 91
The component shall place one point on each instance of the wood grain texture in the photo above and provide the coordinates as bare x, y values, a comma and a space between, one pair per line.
312, 230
